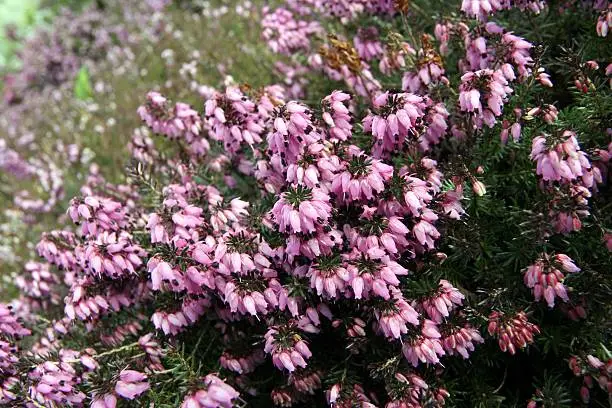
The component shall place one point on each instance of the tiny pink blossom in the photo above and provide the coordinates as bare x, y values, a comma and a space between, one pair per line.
131, 384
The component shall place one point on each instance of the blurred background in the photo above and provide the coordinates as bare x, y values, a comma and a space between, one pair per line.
72, 74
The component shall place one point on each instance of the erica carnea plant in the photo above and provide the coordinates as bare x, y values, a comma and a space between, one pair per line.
416, 215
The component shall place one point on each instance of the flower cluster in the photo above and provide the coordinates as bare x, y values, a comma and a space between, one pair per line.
483, 94
55, 382
546, 277
561, 160
591, 369
568, 173
351, 241
97, 214
394, 120
285, 34
482, 9
232, 119
214, 394
429, 70
180, 121
512, 331
207, 256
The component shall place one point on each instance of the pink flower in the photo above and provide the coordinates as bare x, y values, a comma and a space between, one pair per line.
337, 116
429, 71
112, 254
517, 54
549, 113
483, 93
425, 347
393, 315
375, 233
451, 203
175, 321
594, 362
478, 188
105, 401
56, 382
461, 341
604, 21
546, 279
57, 248
436, 116
85, 301
181, 121
445, 300
424, 231
566, 263
569, 205
544, 78
367, 43
164, 276
272, 95
351, 395
559, 158
97, 214
373, 274
131, 384
214, 393
417, 193
507, 130
287, 348
306, 381
247, 295
361, 178
321, 242
286, 35
9, 357
39, 283
393, 58
293, 130
225, 214
300, 209
394, 118
142, 147
513, 331
232, 119
481, 9
153, 351
310, 169
242, 364
179, 220
328, 276
412, 390
443, 31
10, 324
270, 173
282, 397
238, 251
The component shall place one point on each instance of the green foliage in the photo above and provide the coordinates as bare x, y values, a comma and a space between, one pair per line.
82, 85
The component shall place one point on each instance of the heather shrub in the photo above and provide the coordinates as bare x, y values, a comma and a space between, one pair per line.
403, 204
55, 134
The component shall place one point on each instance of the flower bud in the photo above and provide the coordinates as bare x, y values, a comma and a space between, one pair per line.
479, 188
